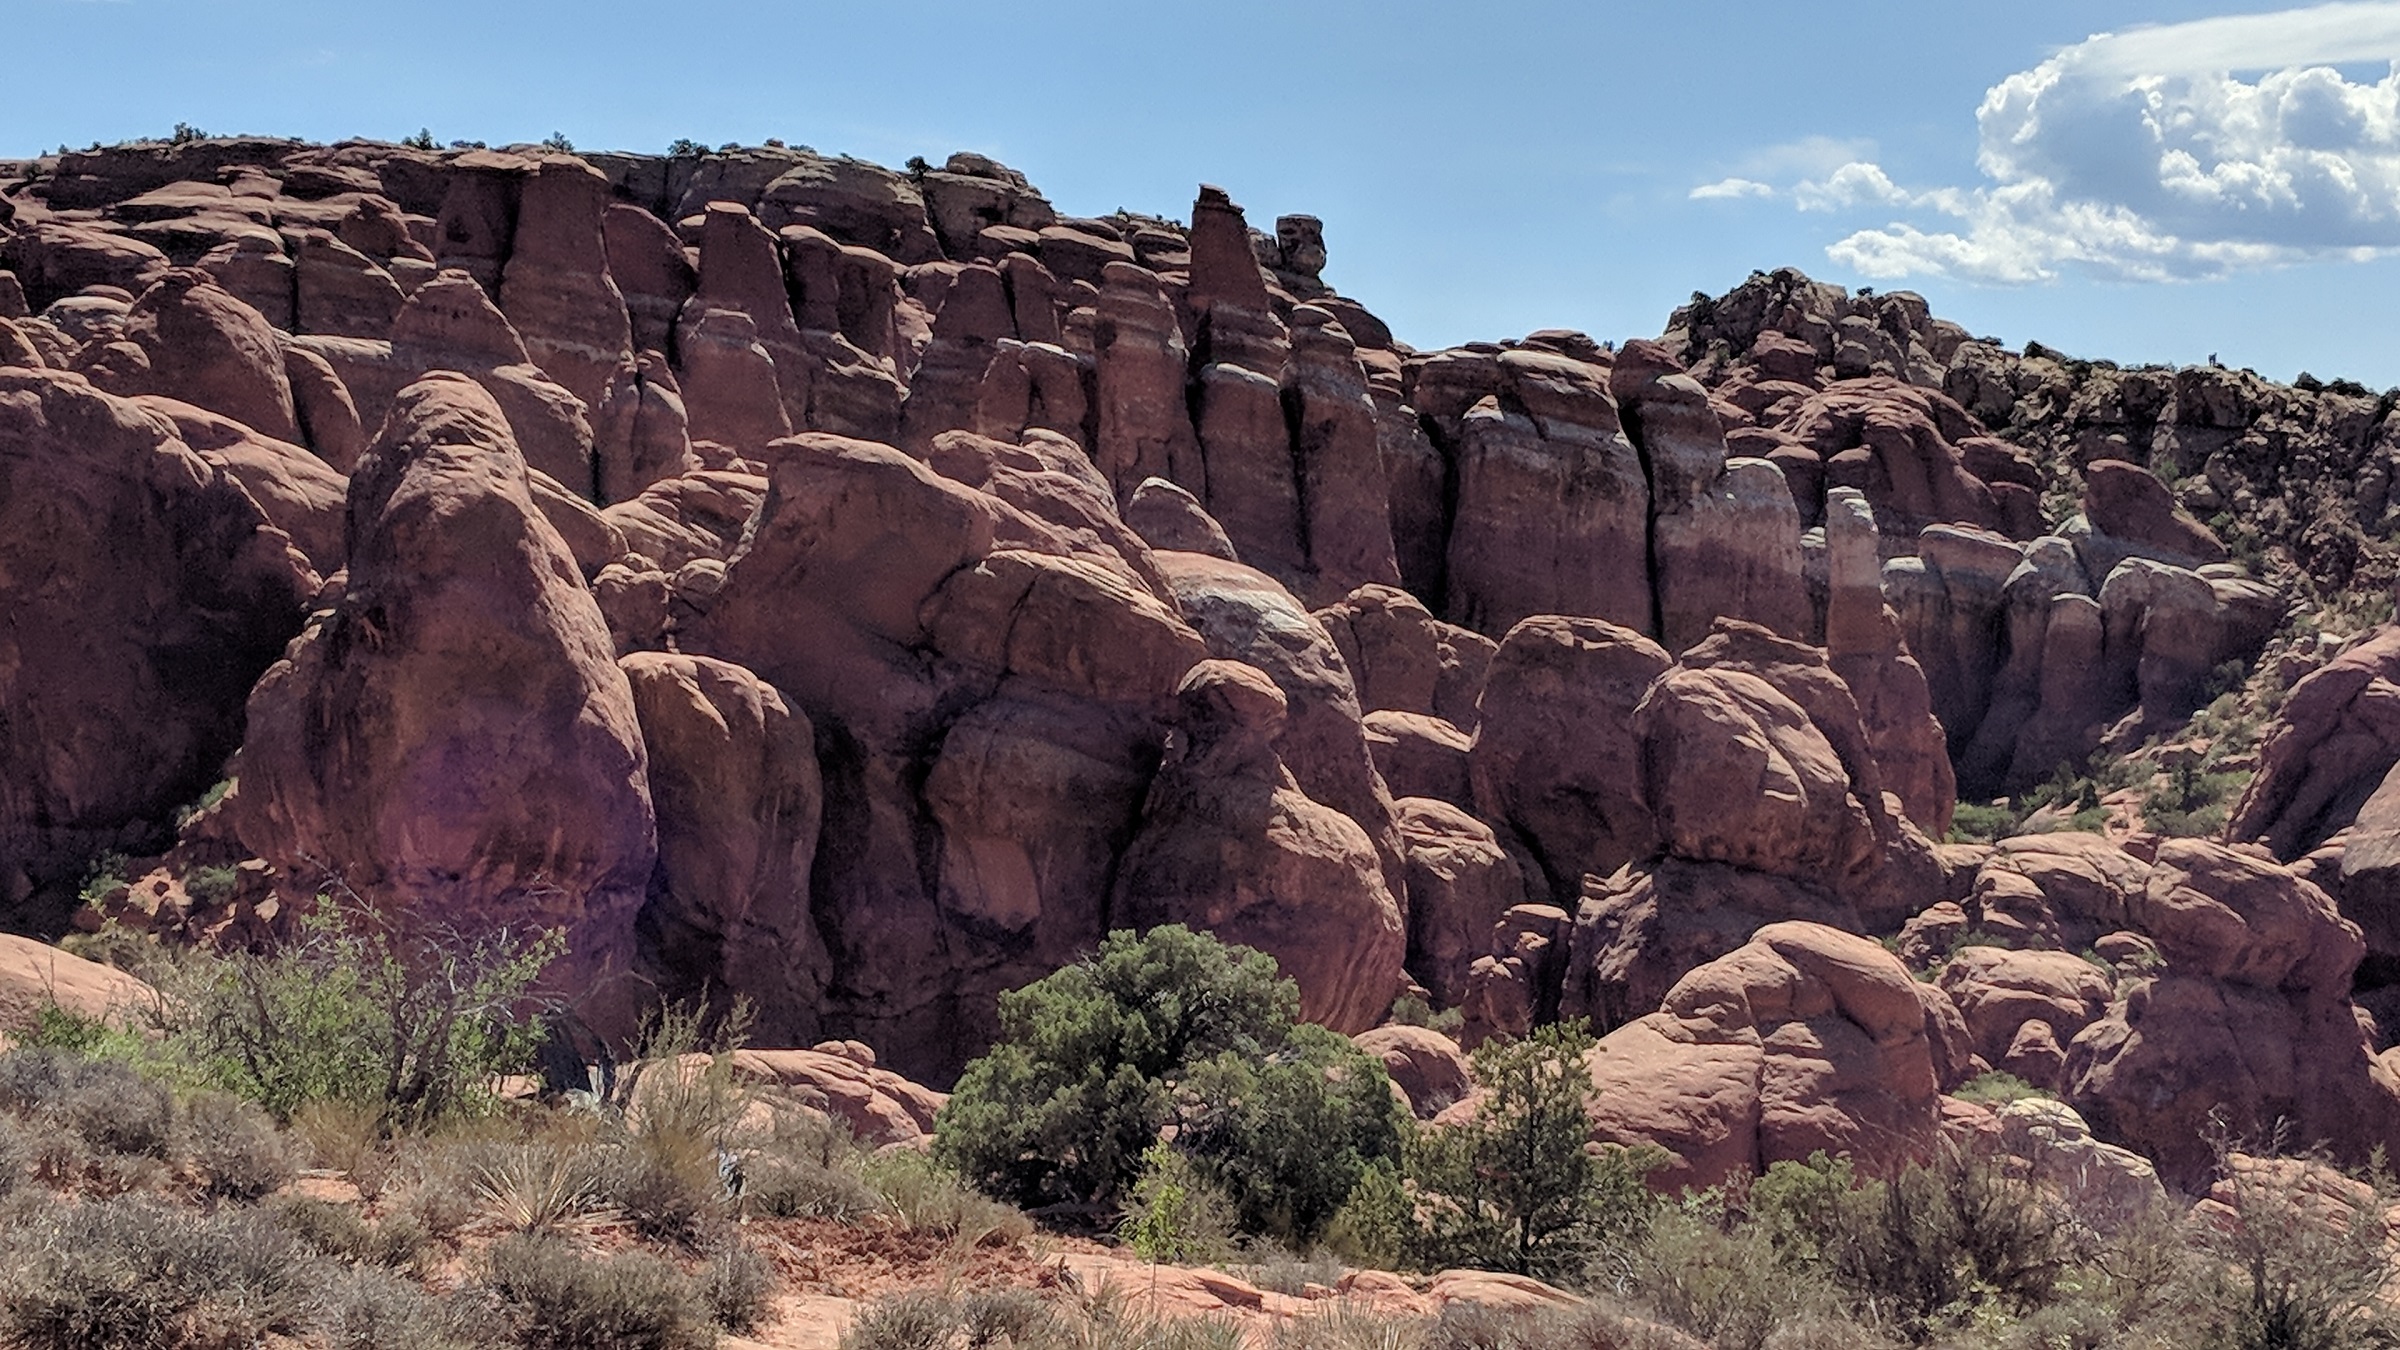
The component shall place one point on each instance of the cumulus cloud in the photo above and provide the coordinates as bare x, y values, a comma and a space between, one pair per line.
1727, 189
2184, 150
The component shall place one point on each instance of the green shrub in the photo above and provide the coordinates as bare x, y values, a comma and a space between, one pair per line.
926, 1196
1998, 1088
1410, 1011
1172, 1027
1513, 1187
2301, 1266
1941, 1244
210, 886
415, 1022
1176, 1214
134, 1273
565, 1301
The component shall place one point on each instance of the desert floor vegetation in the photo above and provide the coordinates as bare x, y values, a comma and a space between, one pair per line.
183, 1178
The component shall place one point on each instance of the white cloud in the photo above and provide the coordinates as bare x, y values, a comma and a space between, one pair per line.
1854, 184
2183, 150
1731, 188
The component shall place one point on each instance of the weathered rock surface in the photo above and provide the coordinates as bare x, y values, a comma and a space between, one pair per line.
1230, 843
1805, 1038
453, 740
145, 590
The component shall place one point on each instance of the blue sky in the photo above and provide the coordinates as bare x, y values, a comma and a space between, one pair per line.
2202, 182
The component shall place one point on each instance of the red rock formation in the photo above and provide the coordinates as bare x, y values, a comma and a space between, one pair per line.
1805, 1039
207, 348
453, 739
144, 591
733, 777
1557, 768
1231, 844
555, 287
1461, 884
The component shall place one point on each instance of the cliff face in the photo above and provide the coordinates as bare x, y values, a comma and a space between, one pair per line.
861, 590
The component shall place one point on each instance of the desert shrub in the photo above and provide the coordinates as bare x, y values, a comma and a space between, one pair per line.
1940, 1244
2194, 802
919, 1319
2303, 1261
415, 1022
738, 1284
1998, 1088
16, 1155
1286, 1272
1173, 1026
566, 1301
348, 1138
1408, 1010
679, 1109
362, 1308
1722, 1279
1981, 823
1175, 1213
670, 1192
783, 1187
235, 1147
342, 1232
557, 140
134, 1273
927, 1196
1344, 1328
210, 886
1513, 1186
108, 1106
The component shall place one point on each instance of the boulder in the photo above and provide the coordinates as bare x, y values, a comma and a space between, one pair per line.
2003, 993
1167, 517
1404, 659
1245, 616
2137, 516
1804, 1039
36, 977
299, 493
880, 1108
453, 740
2329, 747
1425, 1065
209, 349
1421, 756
